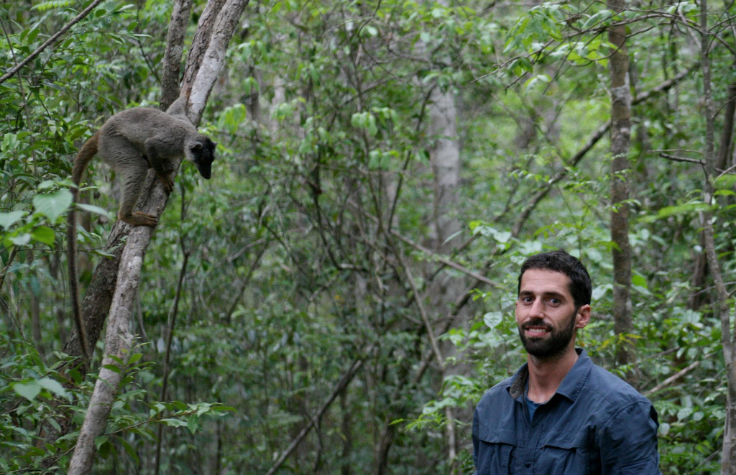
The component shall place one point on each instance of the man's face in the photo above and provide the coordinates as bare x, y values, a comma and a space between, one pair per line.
546, 315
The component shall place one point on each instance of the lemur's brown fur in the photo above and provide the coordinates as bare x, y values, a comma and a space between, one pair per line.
131, 142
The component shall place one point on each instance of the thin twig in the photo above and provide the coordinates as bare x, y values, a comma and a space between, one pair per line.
672, 378
675, 158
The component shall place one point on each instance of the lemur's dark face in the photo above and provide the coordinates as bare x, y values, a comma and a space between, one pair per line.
203, 154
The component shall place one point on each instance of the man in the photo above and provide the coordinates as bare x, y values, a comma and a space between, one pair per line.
560, 414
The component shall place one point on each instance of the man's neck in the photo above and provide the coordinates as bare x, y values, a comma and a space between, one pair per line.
545, 376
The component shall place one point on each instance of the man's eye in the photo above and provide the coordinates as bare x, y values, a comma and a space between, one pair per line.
554, 301
527, 299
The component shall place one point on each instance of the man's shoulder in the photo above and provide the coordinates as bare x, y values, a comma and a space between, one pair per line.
497, 392
612, 389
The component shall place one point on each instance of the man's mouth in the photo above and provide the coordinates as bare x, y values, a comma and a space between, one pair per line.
536, 330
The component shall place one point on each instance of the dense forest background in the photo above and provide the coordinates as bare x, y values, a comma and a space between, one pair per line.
340, 294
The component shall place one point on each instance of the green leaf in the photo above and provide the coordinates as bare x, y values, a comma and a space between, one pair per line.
601, 16
112, 367
725, 181
493, 319
93, 209
99, 440
44, 234
8, 219
129, 449
53, 205
174, 422
21, 240
683, 209
53, 386
639, 281
29, 390
46, 184
193, 424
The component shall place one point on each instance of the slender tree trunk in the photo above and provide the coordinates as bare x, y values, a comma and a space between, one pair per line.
620, 140
726, 146
720, 306
697, 281
35, 311
118, 340
167, 357
347, 433
445, 159
174, 50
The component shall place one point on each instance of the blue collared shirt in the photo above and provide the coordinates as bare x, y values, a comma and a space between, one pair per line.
594, 424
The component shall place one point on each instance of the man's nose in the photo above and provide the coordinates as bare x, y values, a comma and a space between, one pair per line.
537, 308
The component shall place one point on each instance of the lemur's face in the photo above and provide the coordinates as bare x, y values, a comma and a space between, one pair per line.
202, 153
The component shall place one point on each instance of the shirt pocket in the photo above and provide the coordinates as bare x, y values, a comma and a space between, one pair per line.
564, 454
496, 452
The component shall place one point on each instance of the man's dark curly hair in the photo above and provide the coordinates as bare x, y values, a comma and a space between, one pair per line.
560, 261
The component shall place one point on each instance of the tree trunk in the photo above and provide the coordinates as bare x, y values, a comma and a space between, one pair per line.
720, 306
174, 50
347, 436
118, 340
620, 139
35, 309
726, 146
445, 159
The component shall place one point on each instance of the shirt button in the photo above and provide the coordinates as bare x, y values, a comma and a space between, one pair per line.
528, 464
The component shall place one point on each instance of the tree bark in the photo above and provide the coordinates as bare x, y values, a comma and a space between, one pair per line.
726, 146
118, 340
201, 41
174, 51
720, 306
620, 140
445, 159
444, 156
118, 343
347, 433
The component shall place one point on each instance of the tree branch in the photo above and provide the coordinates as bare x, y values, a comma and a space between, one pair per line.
118, 340
174, 51
50, 41
597, 135
672, 379
341, 384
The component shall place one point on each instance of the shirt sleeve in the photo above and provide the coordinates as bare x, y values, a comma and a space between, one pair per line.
628, 441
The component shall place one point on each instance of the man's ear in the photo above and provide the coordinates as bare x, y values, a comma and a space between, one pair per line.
582, 317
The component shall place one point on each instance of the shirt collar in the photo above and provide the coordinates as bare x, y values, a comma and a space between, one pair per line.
571, 385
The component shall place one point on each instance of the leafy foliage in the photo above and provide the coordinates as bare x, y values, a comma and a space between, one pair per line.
321, 207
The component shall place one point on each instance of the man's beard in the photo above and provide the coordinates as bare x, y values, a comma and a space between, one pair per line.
554, 345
